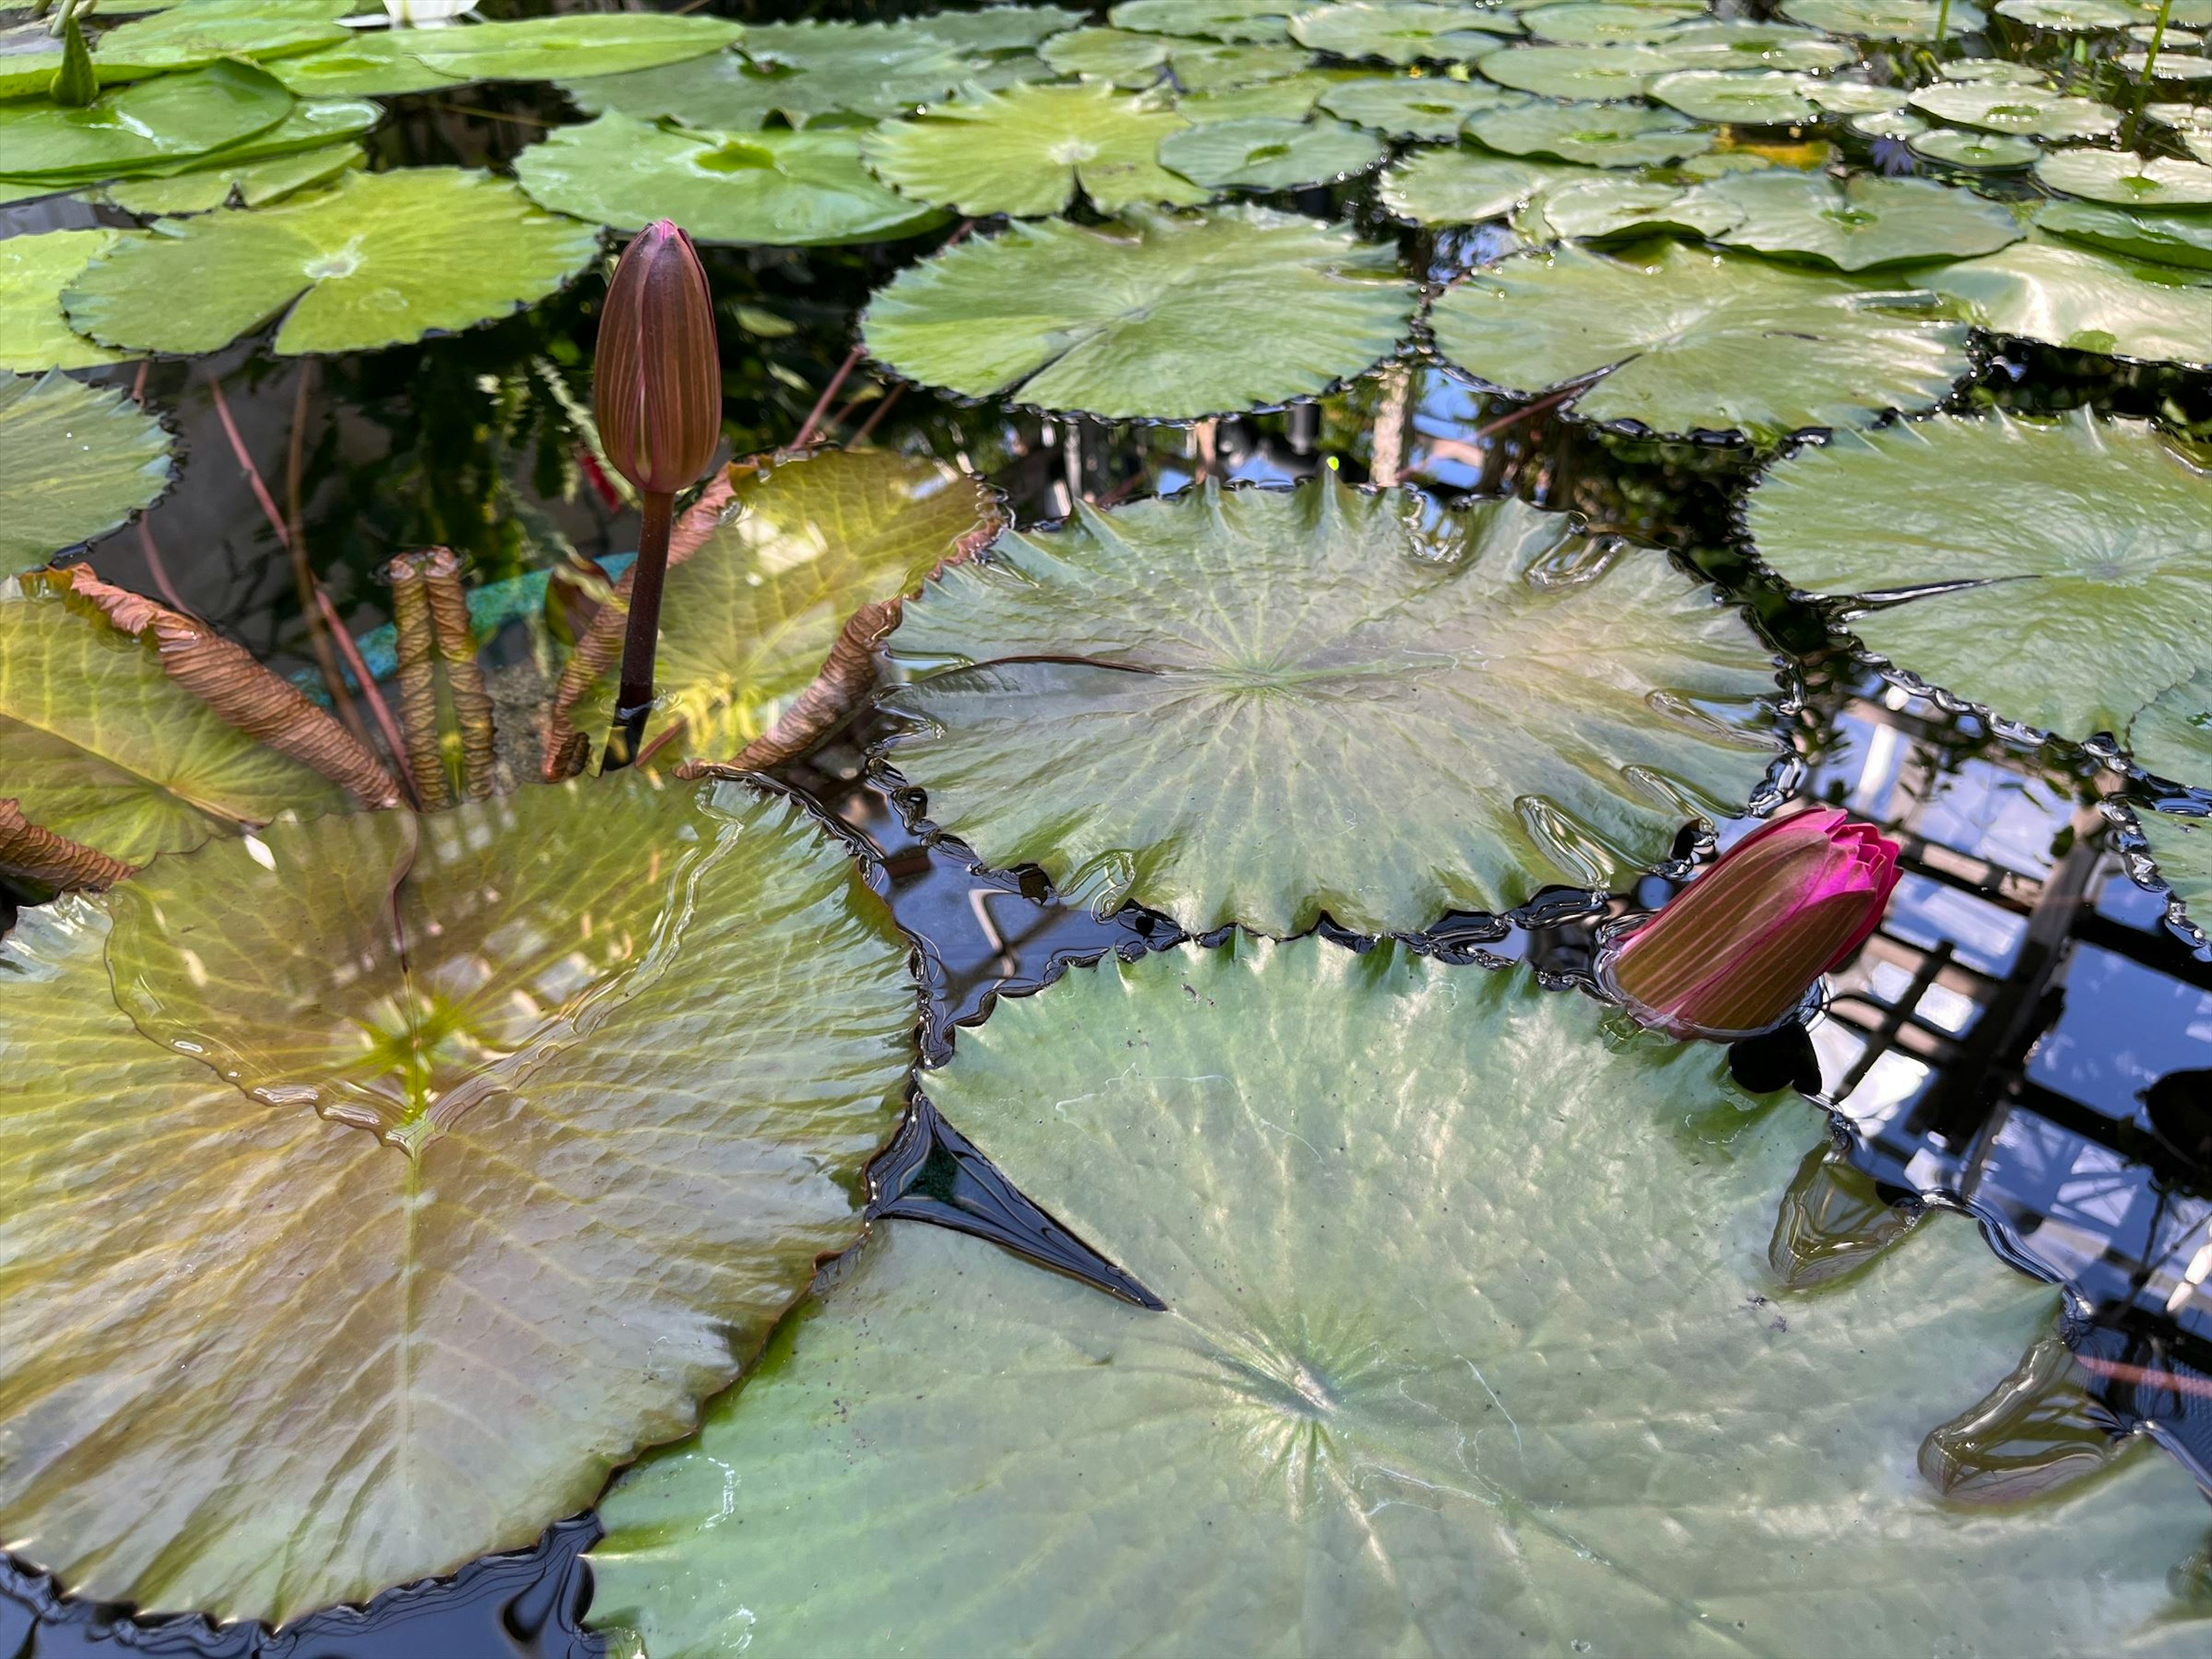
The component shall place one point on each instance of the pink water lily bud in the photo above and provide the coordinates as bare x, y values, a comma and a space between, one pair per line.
1735, 952
657, 380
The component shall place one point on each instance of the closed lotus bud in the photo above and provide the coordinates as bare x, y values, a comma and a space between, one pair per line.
657, 381
1735, 952
75, 84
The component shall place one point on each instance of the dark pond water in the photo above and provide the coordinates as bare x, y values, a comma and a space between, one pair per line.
2026, 1036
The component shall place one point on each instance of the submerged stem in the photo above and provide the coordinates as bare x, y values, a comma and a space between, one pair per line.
642, 637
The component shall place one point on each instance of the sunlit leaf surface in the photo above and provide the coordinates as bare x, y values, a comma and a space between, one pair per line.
79, 460
1863, 222
2085, 300
1257, 706
34, 335
130, 128
1471, 1346
463, 1156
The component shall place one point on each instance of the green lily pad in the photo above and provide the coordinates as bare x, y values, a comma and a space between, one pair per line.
1904, 123
1978, 151
311, 123
1885, 19
1412, 106
1593, 73
489, 1180
577, 45
750, 617
1464, 186
1127, 57
382, 258
1683, 342
1613, 207
2000, 69
242, 184
1291, 98
1597, 135
2173, 238
105, 748
799, 72
1125, 321
1028, 150
2171, 735
778, 188
1595, 23
1863, 222
130, 129
1270, 154
2076, 547
999, 28
1396, 31
199, 32
376, 66
2181, 848
1770, 98
34, 335
81, 461
1237, 698
1471, 1344
2106, 175
2081, 300
2025, 111
1221, 66
2172, 64
1741, 44
2069, 17
1216, 20
1840, 97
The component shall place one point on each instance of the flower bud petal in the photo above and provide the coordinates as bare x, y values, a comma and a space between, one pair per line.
1735, 952
657, 379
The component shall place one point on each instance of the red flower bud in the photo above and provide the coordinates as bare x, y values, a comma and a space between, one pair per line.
1735, 952
657, 382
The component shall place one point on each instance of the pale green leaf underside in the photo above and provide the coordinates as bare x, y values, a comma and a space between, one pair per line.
747, 621
380, 260
34, 335
98, 744
1470, 1347
2081, 535
1687, 341
79, 460
254, 1359
778, 188
1169, 316
1256, 706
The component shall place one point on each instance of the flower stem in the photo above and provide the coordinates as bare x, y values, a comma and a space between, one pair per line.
2150, 64
642, 637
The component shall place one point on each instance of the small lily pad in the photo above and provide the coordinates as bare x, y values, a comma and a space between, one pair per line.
1841, 97
1593, 73
2131, 181
494, 1142
1264, 155
2076, 547
1523, 1413
2069, 16
1594, 699
200, 31
800, 72
81, 461
1677, 341
1127, 57
1215, 20
1978, 151
239, 184
1743, 44
1758, 98
1611, 207
1396, 31
1863, 222
129, 129
2082, 301
34, 335
1000, 28
1028, 150
1412, 106
2171, 65
1596, 23
2173, 238
1886, 20
1458, 186
2024, 112
1596, 135
784, 188
1292, 98
1125, 321
382, 258
2001, 70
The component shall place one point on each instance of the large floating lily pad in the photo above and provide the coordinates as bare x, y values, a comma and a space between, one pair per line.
1886, 20
530, 49
2171, 735
1597, 135
1741, 44
34, 335
382, 258
2130, 180
242, 184
1412, 106
1464, 186
781, 188
2182, 849
1129, 58
132, 128
2076, 547
367, 66
79, 460
1863, 222
1594, 22
1170, 316
1681, 341
1027, 150
466, 1155
797, 71
1216, 20
1616, 207
750, 615
105, 747
1399, 32
2083, 301
1756, 98
2173, 238
1228, 705
2024, 112
1471, 1346
201, 31
1596, 73
1264, 155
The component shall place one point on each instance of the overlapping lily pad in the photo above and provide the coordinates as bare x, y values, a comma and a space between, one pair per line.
1465, 186
81, 461
2083, 301
2171, 735
1616, 207
382, 258
1396, 31
1748, 98
751, 614
1264, 154
2024, 112
2173, 238
2105, 175
1743, 43
1595, 73
1594, 22
2077, 547
1130, 58
790, 189
799, 72
1215, 20
1227, 706
1472, 1344
467, 1154
579, 44
2069, 16
1597, 135
1412, 106
130, 128
2181, 848
237, 184
1028, 150
1675, 340
1863, 222
199, 32
1886, 20
34, 335
1166, 317
1977, 151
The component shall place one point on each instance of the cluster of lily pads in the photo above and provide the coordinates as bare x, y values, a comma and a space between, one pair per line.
376, 1181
